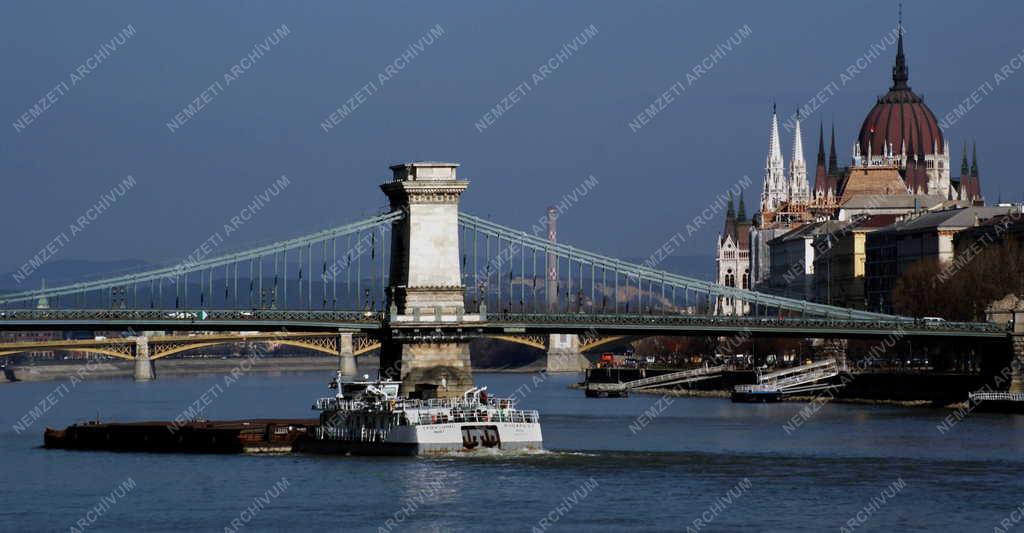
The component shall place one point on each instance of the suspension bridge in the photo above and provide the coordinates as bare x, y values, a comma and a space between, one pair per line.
417, 283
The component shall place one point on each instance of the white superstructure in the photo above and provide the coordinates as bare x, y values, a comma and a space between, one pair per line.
370, 418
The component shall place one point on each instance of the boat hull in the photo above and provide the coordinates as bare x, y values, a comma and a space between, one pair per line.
756, 397
433, 439
1000, 406
602, 393
233, 436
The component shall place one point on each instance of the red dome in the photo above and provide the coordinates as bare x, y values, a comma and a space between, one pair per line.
899, 116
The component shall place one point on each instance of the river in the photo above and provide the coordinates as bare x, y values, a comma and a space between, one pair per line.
688, 464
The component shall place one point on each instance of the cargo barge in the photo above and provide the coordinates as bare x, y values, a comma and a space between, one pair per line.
229, 436
362, 418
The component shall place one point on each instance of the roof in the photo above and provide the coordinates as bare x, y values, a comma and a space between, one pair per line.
873, 181
808, 231
739, 230
901, 201
949, 219
1010, 220
874, 222
900, 118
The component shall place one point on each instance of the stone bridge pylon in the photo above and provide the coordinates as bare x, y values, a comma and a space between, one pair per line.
425, 286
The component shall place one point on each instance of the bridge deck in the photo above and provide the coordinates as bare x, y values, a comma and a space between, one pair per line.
579, 323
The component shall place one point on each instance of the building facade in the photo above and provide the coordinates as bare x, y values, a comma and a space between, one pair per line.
899, 168
732, 263
891, 250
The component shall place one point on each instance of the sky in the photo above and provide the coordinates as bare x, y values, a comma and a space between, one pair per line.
107, 120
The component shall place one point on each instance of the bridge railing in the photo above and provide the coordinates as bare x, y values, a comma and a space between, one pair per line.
740, 322
587, 280
311, 267
189, 315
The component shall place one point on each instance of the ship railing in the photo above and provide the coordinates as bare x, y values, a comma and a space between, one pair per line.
1010, 396
457, 403
513, 416
755, 388
434, 403
338, 403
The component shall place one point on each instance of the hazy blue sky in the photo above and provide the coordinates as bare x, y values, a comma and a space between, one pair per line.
573, 124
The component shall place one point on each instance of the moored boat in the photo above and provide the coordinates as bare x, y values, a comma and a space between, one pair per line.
997, 402
756, 393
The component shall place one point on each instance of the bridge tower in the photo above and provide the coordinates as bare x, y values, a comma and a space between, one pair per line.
425, 287
563, 349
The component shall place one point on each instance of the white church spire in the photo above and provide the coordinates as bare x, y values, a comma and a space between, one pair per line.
799, 191
775, 187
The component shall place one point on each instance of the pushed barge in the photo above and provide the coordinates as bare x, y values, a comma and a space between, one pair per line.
235, 436
362, 418
370, 418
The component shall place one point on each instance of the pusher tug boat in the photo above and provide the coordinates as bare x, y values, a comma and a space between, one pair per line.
370, 418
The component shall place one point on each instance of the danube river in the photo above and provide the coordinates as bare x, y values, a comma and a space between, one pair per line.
695, 465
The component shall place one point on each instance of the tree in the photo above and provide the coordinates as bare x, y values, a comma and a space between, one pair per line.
961, 290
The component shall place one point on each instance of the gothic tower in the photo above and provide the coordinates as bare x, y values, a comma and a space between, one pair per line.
798, 189
775, 191
821, 187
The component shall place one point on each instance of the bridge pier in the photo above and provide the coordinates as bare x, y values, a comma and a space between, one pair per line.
1009, 311
346, 354
564, 353
440, 369
831, 349
1017, 363
143, 364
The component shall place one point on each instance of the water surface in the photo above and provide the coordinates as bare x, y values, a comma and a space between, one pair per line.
597, 474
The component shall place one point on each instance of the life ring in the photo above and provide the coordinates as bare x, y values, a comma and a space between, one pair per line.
433, 419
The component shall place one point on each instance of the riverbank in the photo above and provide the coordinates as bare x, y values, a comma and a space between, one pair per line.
715, 393
904, 389
113, 369
796, 399
164, 368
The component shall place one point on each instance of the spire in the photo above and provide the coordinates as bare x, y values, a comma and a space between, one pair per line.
774, 148
798, 145
832, 162
974, 160
820, 176
900, 72
742, 215
798, 192
821, 145
776, 189
964, 169
730, 212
